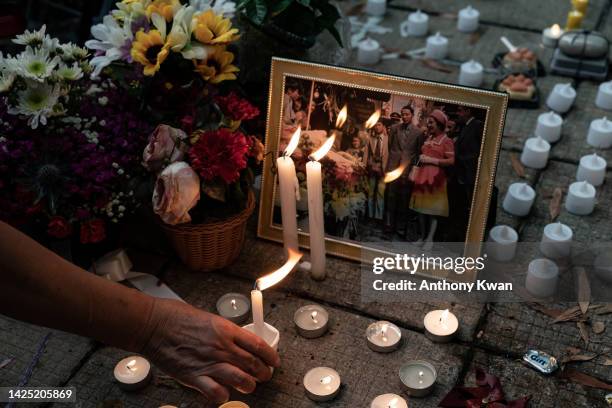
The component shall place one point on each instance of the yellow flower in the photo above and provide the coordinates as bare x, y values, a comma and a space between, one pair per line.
213, 29
165, 8
149, 50
217, 67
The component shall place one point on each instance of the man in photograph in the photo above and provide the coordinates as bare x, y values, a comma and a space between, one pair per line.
405, 140
375, 158
292, 94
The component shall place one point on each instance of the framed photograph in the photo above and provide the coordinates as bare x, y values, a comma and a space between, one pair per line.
412, 165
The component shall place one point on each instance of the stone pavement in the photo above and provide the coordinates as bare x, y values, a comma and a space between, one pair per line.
492, 336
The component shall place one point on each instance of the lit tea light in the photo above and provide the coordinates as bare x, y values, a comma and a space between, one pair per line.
418, 377
322, 384
441, 326
234, 404
383, 337
551, 35
311, 321
389, 401
234, 307
133, 373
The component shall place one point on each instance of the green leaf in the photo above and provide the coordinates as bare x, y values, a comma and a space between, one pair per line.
257, 11
281, 6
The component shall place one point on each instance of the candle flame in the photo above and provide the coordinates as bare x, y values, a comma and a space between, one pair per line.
555, 30
233, 302
273, 278
394, 174
342, 115
326, 380
324, 149
130, 365
383, 331
293, 143
373, 119
313, 316
393, 403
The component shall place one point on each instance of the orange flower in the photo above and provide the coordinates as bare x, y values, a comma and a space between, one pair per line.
165, 8
150, 50
217, 67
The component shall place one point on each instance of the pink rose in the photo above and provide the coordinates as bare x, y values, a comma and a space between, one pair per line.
166, 144
177, 191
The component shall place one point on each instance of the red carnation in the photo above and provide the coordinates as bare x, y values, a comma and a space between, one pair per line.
92, 231
58, 227
219, 153
236, 108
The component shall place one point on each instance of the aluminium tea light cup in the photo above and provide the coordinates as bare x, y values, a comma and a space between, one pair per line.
556, 240
519, 199
418, 377
234, 307
322, 384
592, 168
133, 373
549, 126
383, 337
542, 278
502, 243
580, 198
311, 321
389, 401
441, 326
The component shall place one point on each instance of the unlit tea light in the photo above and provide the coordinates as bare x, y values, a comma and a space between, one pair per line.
519, 199
549, 126
604, 96
535, 153
389, 401
322, 384
133, 373
561, 98
502, 243
600, 133
383, 336
418, 377
556, 240
542, 277
234, 307
311, 321
467, 20
437, 46
368, 52
580, 198
440, 325
416, 25
592, 168
471, 74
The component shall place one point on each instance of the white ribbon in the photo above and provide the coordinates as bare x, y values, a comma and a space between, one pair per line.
117, 267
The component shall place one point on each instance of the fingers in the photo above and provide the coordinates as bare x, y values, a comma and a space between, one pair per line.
257, 346
233, 376
210, 388
249, 363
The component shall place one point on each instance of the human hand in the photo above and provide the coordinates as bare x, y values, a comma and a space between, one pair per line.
206, 352
425, 159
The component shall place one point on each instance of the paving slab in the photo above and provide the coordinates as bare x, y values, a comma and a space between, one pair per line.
524, 14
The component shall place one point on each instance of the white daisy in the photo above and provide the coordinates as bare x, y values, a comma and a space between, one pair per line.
180, 34
37, 101
32, 38
72, 52
6, 81
111, 41
69, 73
35, 64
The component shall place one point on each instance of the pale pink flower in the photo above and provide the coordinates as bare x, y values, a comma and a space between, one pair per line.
166, 145
177, 191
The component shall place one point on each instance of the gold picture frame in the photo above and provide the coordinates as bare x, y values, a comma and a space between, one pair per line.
493, 103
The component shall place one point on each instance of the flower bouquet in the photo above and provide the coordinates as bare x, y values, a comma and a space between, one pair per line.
69, 153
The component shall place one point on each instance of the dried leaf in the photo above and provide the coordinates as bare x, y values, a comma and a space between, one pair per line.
585, 379
578, 357
5, 362
573, 350
518, 167
433, 64
474, 37
584, 289
584, 331
554, 208
568, 315
599, 327
554, 313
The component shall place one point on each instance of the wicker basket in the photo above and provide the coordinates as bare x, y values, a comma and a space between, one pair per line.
210, 246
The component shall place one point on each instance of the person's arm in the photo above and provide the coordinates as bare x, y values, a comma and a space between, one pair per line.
199, 349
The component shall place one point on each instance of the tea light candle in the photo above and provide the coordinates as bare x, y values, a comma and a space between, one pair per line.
592, 168
561, 98
322, 384
418, 377
234, 404
234, 307
519, 199
580, 198
416, 25
389, 401
467, 21
133, 373
551, 35
535, 153
556, 240
600, 133
368, 52
542, 277
549, 126
502, 243
604, 96
376, 7
311, 321
383, 336
471, 74
440, 326
437, 46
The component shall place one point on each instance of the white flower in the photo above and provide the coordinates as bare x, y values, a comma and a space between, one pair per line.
31, 37
36, 101
111, 39
130, 11
69, 73
227, 8
35, 64
6, 81
180, 34
72, 51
